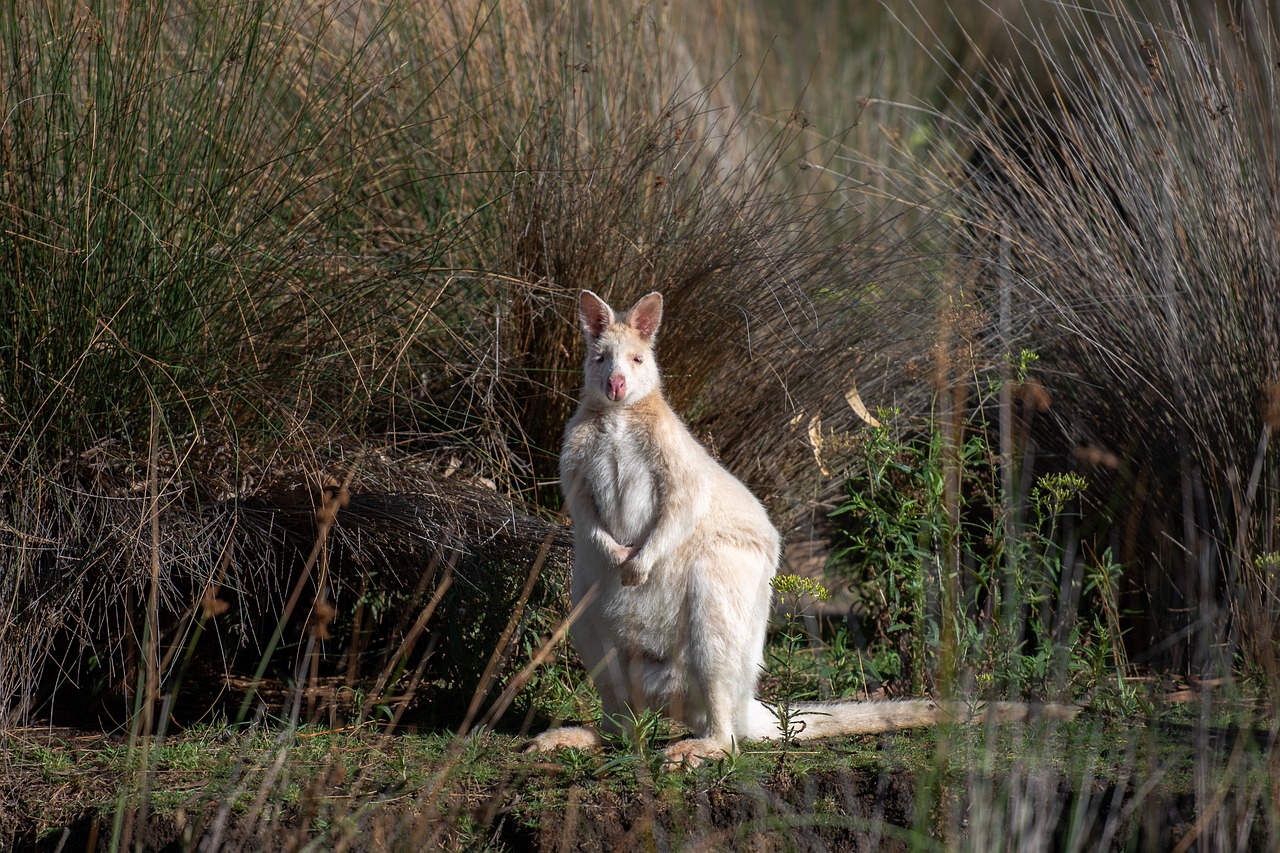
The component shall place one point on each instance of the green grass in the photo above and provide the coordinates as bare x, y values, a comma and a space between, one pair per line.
318, 784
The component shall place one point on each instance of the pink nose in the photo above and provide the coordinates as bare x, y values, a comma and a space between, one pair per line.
617, 387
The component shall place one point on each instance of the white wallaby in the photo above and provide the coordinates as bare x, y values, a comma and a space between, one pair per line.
673, 558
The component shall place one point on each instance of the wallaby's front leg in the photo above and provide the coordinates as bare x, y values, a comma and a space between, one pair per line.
583, 511
621, 554
617, 552
685, 502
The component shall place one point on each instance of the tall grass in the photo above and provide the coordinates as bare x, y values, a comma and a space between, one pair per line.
1125, 210
293, 339
258, 248
236, 223
182, 198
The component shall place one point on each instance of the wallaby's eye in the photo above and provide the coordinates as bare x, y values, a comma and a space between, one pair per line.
638, 359
599, 358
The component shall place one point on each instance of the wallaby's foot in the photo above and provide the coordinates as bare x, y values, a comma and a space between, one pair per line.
691, 752
576, 737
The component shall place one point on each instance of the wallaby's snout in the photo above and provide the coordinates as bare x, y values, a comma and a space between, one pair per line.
617, 387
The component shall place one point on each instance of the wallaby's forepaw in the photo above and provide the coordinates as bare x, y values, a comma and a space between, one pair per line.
632, 573
622, 553
577, 737
691, 752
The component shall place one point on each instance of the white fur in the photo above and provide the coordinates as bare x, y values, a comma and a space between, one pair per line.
678, 556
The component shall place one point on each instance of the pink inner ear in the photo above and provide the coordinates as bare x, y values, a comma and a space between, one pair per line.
646, 316
596, 315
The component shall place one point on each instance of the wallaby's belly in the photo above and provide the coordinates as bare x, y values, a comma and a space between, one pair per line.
637, 628
638, 638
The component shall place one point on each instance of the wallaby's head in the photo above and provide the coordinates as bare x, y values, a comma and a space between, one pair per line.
620, 364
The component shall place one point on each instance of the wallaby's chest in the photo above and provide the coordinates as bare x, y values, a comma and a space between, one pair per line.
620, 470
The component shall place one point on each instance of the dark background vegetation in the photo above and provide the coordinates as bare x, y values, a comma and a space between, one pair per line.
287, 342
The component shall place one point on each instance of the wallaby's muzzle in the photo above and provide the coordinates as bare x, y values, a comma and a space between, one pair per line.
617, 387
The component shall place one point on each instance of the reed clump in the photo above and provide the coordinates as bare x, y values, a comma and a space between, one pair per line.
1124, 205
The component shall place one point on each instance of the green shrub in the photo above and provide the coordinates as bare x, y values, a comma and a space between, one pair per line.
966, 595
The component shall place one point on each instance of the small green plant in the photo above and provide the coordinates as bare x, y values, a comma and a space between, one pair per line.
893, 525
1269, 562
1020, 364
635, 739
183, 755
788, 654
575, 762
722, 770
1053, 493
53, 763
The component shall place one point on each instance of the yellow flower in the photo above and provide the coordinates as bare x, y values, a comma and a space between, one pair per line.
797, 585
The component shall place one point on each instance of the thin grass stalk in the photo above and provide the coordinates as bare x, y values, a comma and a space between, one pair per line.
142, 721
1008, 475
539, 658
395, 666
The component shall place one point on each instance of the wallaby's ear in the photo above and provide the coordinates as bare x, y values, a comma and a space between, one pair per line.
594, 313
646, 315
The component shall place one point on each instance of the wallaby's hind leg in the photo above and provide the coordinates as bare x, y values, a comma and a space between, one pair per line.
725, 652
722, 700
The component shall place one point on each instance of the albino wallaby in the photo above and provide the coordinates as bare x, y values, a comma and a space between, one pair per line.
673, 558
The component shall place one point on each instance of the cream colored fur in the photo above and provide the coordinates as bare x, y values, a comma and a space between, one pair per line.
675, 556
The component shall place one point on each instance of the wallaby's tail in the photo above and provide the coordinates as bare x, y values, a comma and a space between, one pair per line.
831, 719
